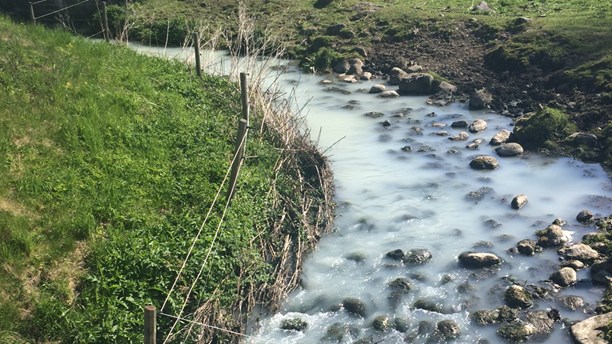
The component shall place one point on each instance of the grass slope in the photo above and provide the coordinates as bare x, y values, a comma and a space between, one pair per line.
110, 160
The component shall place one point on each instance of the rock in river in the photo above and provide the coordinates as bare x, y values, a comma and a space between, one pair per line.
477, 126
564, 277
509, 150
484, 162
517, 297
417, 256
477, 260
590, 330
581, 252
501, 137
518, 202
354, 306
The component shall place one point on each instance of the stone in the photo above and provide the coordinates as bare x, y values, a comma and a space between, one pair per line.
459, 124
335, 30
294, 324
501, 137
341, 67
417, 256
552, 236
477, 126
484, 162
400, 325
397, 254
518, 202
462, 136
581, 252
447, 87
574, 264
485, 317
366, 76
428, 305
378, 88
396, 75
584, 216
601, 272
516, 331
401, 284
381, 323
527, 247
573, 302
482, 7
356, 66
449, 329
354, 306
509, 150
389, 94
590, 331
480, 99
564, 277
578, 139
374, 114
543, 321
417, 84
477, 260
517, 297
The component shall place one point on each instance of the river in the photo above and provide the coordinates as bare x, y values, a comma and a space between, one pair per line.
401, 183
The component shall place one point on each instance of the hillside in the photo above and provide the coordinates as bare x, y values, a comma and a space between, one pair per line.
111, 162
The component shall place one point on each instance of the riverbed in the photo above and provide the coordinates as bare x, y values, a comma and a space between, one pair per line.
401, 183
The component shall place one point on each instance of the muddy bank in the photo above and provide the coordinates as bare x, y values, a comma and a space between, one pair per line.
472, 55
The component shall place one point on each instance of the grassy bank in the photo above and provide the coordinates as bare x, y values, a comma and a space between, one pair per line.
111, 162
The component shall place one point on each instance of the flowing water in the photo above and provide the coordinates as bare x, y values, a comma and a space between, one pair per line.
402, 184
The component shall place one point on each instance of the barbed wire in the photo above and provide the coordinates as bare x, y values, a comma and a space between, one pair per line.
210, 248
206, 325
201, 229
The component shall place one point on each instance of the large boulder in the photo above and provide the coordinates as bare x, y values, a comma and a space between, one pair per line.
581, 252
477, 260
484, 162
382, 323
341, 67
590, 331
356, 66
518, 297
564, 277
480, 99
418, 84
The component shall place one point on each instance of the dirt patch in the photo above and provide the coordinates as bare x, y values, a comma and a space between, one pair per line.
465, 54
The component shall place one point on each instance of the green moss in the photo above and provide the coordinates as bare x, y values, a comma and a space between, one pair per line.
543, 129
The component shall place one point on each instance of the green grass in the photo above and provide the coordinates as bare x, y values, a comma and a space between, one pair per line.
110, 162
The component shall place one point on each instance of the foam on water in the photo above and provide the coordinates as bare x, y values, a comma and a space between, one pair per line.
391, 199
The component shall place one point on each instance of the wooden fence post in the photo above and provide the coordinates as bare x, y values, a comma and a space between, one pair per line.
105, 22
198, 62
32, 16
150, 325
243, 126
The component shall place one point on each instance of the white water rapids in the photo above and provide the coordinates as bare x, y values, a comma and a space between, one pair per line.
388, 198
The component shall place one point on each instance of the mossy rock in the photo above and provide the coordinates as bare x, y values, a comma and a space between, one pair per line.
543, 129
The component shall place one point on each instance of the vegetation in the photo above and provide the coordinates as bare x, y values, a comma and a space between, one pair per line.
543, 128
111, 162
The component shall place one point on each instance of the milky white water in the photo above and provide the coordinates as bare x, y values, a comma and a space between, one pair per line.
390, 199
